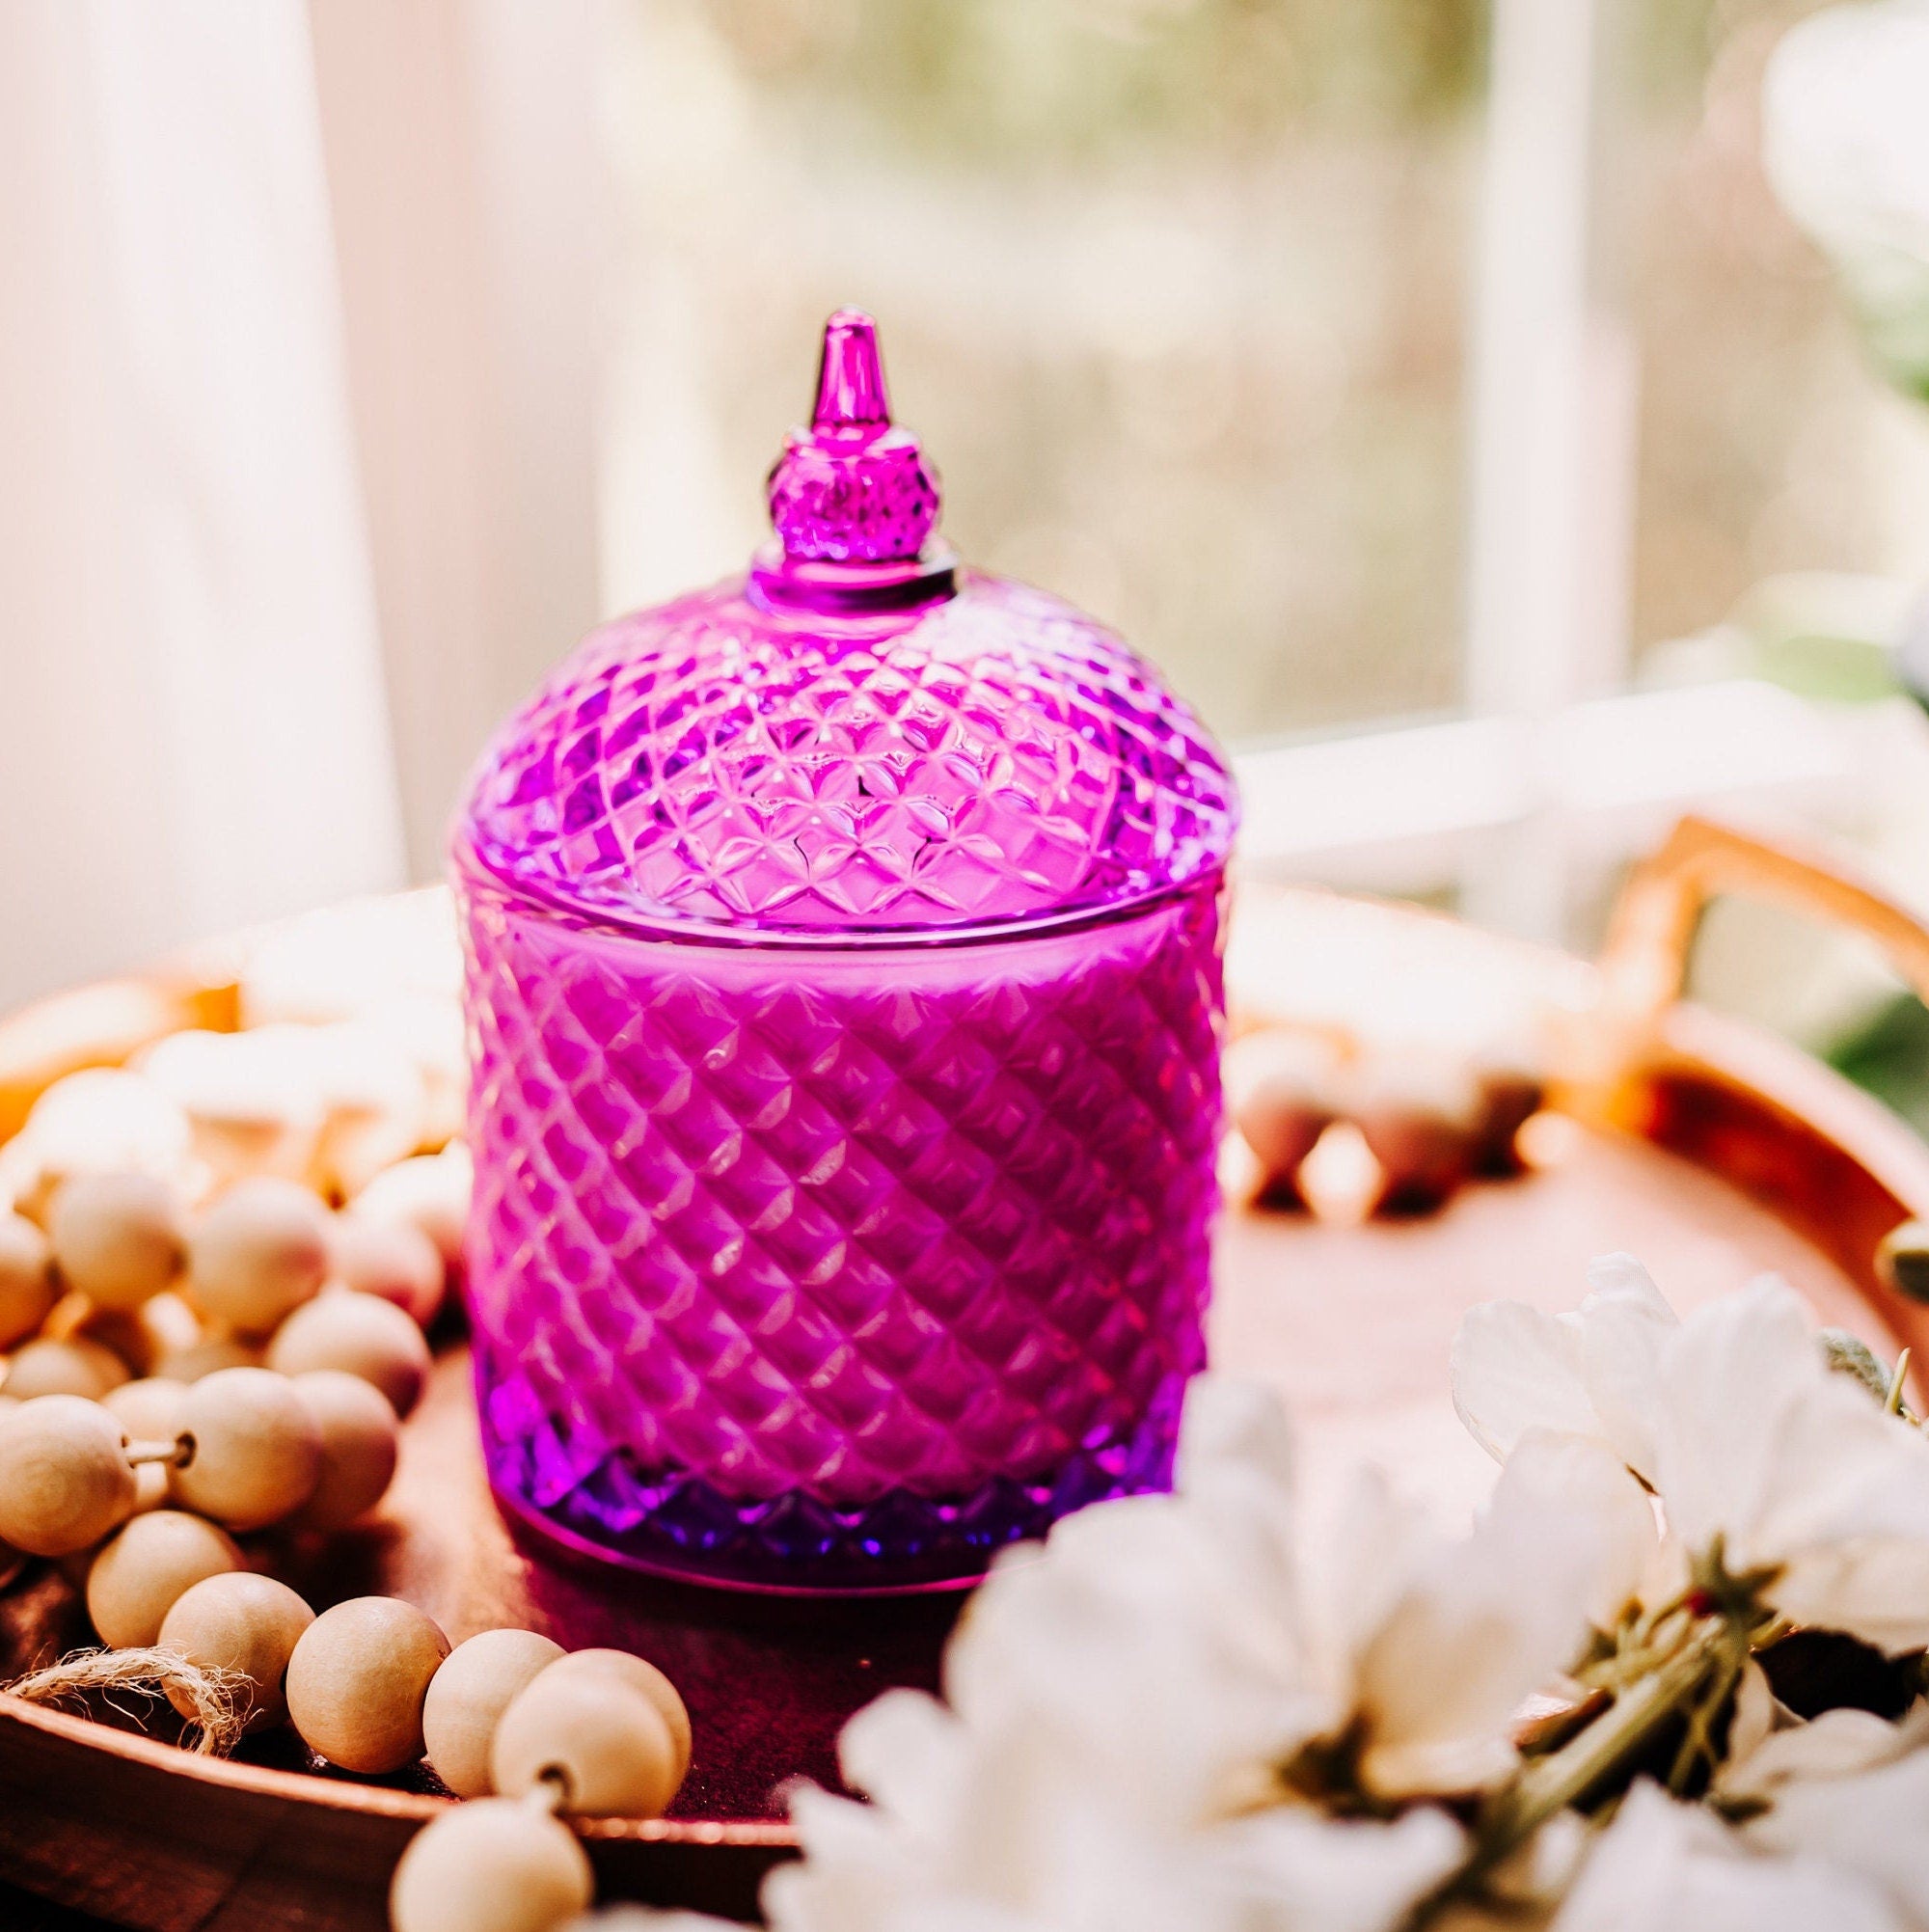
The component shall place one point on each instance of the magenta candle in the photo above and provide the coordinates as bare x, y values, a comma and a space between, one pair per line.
843, 1001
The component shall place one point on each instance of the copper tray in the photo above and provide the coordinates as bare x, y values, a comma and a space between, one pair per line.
1708, 1147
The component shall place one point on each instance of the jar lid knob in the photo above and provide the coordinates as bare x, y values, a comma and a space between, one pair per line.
851, 377
851, 488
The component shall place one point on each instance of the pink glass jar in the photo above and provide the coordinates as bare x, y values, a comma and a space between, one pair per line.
843, 991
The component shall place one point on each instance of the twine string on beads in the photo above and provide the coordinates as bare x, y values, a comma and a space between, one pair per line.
220, 1698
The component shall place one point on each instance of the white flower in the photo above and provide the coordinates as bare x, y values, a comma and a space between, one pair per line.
1192, 1638
1663, 1866
1835, 1745
1756, 1447
1591, 1372
1164, 1633
1013, 1833
1852, 1792
1427, 1646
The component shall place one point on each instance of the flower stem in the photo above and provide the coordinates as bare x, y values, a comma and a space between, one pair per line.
1606, 1746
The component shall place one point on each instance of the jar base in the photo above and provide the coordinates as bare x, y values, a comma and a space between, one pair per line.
792, 1546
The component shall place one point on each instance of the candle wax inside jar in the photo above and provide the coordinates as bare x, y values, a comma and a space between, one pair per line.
879, 1258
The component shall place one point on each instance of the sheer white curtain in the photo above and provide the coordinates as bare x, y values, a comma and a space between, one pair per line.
294, 493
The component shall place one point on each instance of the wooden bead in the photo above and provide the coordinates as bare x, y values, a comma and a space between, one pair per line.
240, 1621
357, 1447
201, 1359
391, 1260
78, 1366
153, 1409
100, 1121
477, 1682
1281, 1094
27, 1291
118, 1239
145, 1569
358, 1679
640, 1675
1420, 1116
251, 1098
257, 1451
605, 1740
1509, 1098
65, 1478
360, 1335
162, 1325
257, 1253
494, 1865
150, 1411
430, 1192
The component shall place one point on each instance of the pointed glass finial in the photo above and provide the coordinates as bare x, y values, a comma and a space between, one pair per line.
851, 488
851, 377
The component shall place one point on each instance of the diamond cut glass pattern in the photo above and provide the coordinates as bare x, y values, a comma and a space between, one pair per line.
710, 765
878, 1267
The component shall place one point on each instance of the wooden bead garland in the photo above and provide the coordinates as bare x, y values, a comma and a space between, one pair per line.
358, 1679
261, 1401
1282, 1093
602, 1739
494, 1865
393, 1259
240, 1622
358, 1448
65, 1478
477, 1682
149, 1411
253, 1450
76, 1365
430, 1192
259, 1253
163, 1325
145, 1567
152, 1409
640, 1675
27, 1291
360, 1335
118, 1238
206, 1358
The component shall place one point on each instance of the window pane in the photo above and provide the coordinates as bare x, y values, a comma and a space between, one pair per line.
1768, 446
1172, 289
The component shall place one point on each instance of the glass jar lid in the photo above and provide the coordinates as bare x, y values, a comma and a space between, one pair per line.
857, 738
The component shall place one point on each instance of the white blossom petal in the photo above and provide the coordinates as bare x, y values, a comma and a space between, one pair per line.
1836, 1744
910, 1754
1626, 1327
1755, 1719
1869, 1825
1663, 1867
1311, 1875
1147, 1632
1514, 1369
1587, 1485
1480, 1623
1726, 1389
1733, 1418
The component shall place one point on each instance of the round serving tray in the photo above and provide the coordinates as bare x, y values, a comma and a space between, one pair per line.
1703, 1144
